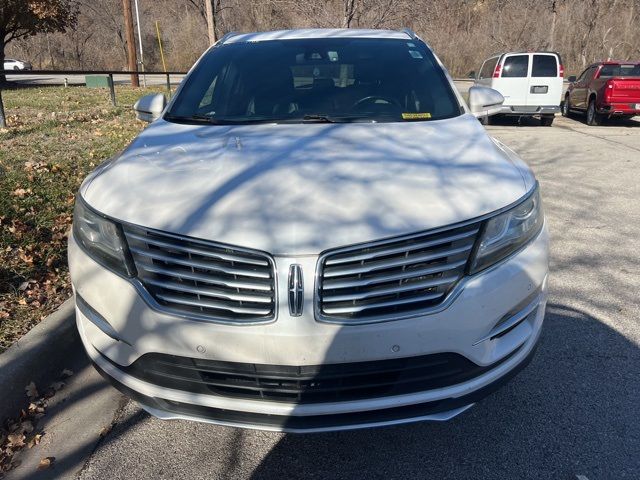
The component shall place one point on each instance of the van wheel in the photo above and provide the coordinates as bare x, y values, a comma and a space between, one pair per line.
547, 120
593, 118
566, 107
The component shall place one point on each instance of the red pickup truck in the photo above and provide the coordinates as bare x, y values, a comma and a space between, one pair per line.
604, 90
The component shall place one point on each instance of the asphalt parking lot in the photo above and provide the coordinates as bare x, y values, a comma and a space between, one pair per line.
573, 413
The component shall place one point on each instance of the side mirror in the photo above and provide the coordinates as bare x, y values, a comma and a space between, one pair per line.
572, 78
484, 101
150, 107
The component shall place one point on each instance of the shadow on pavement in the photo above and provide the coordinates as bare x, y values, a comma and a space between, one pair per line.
573, 411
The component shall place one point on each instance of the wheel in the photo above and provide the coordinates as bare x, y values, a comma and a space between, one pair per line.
593, 117
566, 107
15, 67
547, 120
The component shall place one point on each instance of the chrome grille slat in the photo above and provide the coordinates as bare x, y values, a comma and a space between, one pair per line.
173, 244
212, 304
331, 284
389, 303
401, 249
393, 278
406, 287
211, 292
254, 285
332, 272
203, 280
199, 264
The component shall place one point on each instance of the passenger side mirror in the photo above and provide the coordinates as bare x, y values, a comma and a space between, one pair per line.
150, 107
572, 78
484, 101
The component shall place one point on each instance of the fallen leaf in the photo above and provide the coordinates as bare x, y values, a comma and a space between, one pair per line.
33, 441
45, 463
16, 439
32, 391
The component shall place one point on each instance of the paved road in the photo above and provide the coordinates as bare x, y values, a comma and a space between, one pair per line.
574, 411
118, 79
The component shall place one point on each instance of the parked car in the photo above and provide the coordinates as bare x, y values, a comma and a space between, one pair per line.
12, 64
605, 90
531, 83
315, 234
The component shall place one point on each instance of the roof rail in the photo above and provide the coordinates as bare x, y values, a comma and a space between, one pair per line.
226, 37
410, 32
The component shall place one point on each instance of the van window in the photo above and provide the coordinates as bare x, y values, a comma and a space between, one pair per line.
516, 66
544, 66
488, 68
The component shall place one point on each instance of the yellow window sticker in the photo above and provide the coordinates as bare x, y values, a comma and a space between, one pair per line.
415, 116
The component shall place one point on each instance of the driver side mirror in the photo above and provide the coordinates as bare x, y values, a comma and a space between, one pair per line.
150, 107
484, 101
572, 78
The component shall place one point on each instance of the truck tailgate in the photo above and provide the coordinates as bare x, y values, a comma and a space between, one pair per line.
624, 90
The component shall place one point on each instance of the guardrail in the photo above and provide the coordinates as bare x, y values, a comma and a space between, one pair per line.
108, 73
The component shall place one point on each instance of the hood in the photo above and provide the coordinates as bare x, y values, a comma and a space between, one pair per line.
303, 188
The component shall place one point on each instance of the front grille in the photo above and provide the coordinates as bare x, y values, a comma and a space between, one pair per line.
393, 278
306, 384
203, 279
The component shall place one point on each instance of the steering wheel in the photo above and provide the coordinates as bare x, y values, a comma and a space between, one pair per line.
373, 99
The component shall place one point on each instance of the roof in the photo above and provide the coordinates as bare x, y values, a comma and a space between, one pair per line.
316, 33
615, 62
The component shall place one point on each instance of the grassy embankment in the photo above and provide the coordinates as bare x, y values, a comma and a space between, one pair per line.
55, 136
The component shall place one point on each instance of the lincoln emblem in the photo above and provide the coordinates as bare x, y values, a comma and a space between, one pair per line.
296, 291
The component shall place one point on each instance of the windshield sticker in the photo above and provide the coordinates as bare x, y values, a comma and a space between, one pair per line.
416, 116
410, 44
415, 54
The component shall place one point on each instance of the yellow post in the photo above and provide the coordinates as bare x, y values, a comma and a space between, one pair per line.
164, 65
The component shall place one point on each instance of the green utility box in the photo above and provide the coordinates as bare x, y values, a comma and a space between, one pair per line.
98, 81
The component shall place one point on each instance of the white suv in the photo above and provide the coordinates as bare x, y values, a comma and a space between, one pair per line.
531, 83
315, 234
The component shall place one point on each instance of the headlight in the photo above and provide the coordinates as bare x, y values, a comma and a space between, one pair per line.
508, 232
101, 239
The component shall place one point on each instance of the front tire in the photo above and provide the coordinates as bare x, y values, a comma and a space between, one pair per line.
547, 120
15, 67
593, 117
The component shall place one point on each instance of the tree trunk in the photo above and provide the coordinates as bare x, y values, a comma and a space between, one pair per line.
3, 79
131, 42
211, 21
349, 11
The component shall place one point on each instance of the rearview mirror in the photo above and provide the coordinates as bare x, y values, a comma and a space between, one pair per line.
572, 78
150, 107
484, 101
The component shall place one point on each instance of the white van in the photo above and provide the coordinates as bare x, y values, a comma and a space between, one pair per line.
530, 82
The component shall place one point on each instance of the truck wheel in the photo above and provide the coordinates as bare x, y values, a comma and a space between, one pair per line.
593, 117
547, 120
566, 107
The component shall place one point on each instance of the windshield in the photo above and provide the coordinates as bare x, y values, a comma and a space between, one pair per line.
309, 80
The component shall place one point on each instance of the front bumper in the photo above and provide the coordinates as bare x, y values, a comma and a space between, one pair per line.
117, 327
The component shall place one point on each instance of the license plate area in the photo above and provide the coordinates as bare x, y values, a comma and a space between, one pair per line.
637, 106
539, 89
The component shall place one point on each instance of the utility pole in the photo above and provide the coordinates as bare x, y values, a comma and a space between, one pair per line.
211, 20
144, 77
131, 42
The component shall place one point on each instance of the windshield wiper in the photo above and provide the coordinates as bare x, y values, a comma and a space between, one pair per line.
323, 118
199, 118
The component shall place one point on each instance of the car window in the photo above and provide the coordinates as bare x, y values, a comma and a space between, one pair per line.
620, 71
544, 66
348, 79
516, 66
488, 67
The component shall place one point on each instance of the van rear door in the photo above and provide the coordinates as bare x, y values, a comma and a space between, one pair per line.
513, 83
545, 83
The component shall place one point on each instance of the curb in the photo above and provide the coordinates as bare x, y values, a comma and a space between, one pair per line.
39, 357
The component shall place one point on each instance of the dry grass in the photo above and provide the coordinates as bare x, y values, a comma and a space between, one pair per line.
55, 136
